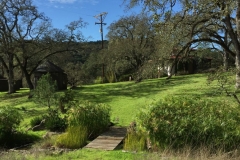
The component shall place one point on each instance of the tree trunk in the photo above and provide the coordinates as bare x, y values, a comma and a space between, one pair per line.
225, 60
237, 61
11, 88
25, 72
28, 79
225, 54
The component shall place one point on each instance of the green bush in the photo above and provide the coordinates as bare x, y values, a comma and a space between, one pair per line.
110, 76
95, 117
36, 121
75, 137
65, 99
179, 122
54, 121
125, 77
98, 80
44, 93
10, 119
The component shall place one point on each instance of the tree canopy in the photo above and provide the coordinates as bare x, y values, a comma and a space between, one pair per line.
215, 22
27, 38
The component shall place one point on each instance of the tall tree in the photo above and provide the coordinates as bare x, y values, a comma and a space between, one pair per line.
27, 38
206, 19
16, 20
51, 42
132, 39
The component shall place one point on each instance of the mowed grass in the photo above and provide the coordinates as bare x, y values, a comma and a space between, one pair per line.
125, 100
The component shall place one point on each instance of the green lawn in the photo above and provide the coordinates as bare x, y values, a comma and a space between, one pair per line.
125, 100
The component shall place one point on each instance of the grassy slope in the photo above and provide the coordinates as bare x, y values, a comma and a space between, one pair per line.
125, 99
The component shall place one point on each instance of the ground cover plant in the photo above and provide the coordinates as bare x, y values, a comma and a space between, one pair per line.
177, 122
125, 99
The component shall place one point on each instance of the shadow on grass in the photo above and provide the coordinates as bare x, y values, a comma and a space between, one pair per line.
106, 92
17, 140
32, 112
6, 96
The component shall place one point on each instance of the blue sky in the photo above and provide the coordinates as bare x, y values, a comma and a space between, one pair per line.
62, 12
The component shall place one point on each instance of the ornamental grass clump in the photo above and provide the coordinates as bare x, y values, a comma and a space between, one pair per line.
94, 117
179, 122
75, 137
135, 141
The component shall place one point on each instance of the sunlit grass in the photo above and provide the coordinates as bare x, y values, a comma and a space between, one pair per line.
125, 100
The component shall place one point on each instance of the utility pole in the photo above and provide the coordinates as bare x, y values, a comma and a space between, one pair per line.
101, 18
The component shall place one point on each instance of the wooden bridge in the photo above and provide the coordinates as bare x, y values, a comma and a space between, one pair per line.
108, 140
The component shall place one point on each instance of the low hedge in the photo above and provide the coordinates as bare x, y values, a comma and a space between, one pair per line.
182, 121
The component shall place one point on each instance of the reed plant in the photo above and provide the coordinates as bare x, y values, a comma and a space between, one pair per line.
94, 117
135, 142
180, 121
75, 137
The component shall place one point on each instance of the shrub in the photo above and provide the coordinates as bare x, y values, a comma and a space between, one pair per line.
179, 122
10, 119
44, 93
65, 99
36, 121
75, 137
54, 121
98, 80
110, 76
95, 117
125, 77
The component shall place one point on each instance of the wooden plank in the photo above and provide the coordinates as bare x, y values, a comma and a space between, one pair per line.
108, 140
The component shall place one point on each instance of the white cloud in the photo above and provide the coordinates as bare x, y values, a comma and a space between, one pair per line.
62, 1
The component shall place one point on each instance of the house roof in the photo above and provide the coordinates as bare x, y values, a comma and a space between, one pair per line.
48, 66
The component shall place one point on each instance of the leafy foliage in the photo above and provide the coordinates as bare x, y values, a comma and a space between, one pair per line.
224, 80
54, 121
110, 76
131, 44
44, 92
98, 80
10, 119
75, 73
36, 121
94, 117
65, 99
183, 121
